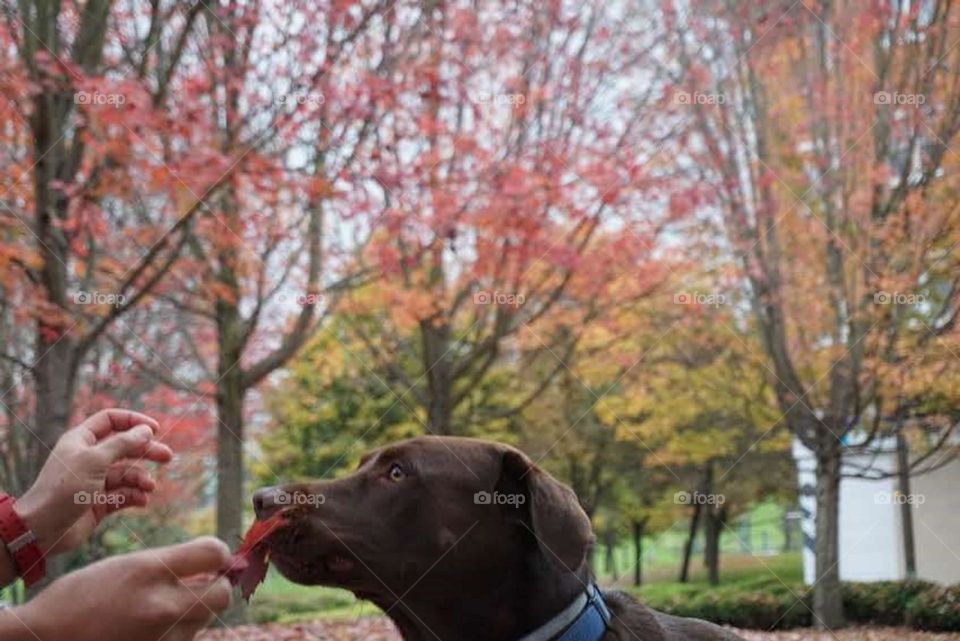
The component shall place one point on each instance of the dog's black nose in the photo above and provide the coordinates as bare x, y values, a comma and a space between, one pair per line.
264, 502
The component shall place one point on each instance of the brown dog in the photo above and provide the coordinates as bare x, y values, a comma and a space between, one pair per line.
458, 540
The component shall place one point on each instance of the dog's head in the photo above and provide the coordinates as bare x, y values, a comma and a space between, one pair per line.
429, 513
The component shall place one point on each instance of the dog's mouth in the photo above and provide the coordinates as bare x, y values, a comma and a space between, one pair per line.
334, 569
338, 563
303, 557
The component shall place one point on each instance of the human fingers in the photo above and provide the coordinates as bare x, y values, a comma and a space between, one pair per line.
199, 556
114, 419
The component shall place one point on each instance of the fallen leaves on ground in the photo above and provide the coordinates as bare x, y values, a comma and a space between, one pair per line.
850, 634
380, 629
363, 629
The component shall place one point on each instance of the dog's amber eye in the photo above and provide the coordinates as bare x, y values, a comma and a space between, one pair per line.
396, 472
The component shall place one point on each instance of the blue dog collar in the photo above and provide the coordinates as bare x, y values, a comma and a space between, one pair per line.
586, 619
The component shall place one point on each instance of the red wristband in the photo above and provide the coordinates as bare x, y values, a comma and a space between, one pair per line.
21, 543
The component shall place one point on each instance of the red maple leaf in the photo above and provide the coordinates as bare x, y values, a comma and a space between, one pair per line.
248, 567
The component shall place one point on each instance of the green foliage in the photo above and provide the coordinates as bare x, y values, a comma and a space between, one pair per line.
753, 610
768, 596
881, 602
327, 412
937, 608
702, 400
121, 534
331, 408
770, 601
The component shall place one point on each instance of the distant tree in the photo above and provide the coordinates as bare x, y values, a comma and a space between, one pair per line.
98, 189
296, 105
708, 414
327, 410
330, 406
824, 132
516, 181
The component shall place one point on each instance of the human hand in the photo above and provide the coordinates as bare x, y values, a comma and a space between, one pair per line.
167, 593
93, 470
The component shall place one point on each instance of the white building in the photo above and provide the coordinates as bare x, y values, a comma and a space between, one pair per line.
871, 544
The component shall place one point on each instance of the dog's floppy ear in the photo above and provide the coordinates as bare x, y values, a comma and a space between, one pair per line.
558, 522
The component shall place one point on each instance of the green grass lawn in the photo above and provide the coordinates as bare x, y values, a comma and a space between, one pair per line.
737, 573
281, 601
757, 533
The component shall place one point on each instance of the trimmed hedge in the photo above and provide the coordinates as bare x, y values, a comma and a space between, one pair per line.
935, 609
881, 602
773, 605
759, 610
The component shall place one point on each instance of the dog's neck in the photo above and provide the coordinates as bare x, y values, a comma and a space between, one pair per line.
505, 610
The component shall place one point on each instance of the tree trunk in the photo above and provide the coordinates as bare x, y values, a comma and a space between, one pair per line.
906, 513
716, 516
787, 532
638, 528
827, 602
709, 541
230, 399
437, 370
438, 415
713, 522
53, 369
688, 546
55, 386
610, 543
